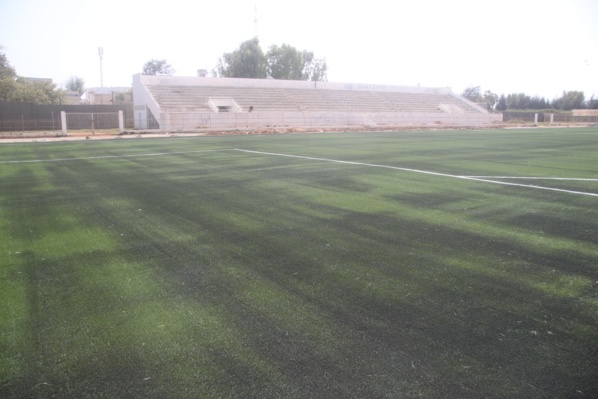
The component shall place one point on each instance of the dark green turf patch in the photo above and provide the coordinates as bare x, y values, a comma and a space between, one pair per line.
227, 274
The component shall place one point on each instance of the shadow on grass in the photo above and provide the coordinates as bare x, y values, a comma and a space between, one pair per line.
279, 295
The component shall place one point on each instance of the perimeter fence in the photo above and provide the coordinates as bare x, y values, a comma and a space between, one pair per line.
557, 117
22, 116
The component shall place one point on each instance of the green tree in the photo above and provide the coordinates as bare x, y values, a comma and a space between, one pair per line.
570, 100
123, 97
491, 99
538, 102
315, 69
518, 101
158, 67
248, 61
280, 62
472, 93
286, 62
6, 70
39, 92
75, 83
7, 78
8, 86
502, 103
15, 88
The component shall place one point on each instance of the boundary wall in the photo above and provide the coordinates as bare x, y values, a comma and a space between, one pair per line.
242, 120
26, 116
148, 113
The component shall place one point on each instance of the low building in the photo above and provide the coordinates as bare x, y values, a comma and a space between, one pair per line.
72, 97
107, 95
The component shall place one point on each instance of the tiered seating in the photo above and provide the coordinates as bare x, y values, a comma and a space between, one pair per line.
195, 99
371, 101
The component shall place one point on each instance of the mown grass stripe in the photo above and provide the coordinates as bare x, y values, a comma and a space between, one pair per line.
427, 172
226, 274
156, 154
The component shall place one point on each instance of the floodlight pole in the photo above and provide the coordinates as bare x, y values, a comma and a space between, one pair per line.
101, 53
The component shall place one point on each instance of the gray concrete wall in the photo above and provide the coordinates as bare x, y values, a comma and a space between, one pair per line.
254, 120
143, 102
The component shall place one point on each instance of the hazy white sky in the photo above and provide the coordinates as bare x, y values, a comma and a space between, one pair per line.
537, 47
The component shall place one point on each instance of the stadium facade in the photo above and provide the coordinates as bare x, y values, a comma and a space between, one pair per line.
195, 103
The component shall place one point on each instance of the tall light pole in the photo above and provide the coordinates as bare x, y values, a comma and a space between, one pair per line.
101, 54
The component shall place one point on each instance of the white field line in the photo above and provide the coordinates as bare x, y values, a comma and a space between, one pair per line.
473, 178
480, 179
533, 178
155, 154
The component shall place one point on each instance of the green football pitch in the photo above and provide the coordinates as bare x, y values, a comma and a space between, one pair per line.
432, 264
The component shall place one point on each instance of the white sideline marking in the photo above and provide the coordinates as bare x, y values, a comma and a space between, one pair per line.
481, 179
533, 178
473, 178
155, 154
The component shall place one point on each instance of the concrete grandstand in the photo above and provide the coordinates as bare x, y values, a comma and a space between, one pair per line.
196, 103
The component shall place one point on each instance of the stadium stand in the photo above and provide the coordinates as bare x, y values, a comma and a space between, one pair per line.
189, 103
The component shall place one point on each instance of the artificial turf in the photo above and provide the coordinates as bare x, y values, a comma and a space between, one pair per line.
187, 268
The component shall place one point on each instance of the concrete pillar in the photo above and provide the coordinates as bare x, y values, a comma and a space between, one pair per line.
63, 121
535, 119
121, 124
551, 119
